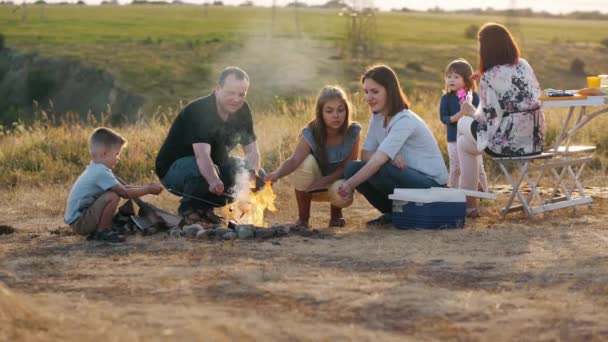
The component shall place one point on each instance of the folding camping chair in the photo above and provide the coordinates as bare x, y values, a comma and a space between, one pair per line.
563, 169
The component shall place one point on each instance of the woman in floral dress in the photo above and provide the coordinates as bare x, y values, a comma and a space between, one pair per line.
509, 120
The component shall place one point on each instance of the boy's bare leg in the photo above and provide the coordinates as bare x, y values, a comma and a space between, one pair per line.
107, 215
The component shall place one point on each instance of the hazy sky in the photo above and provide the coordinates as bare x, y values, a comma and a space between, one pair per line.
553, 6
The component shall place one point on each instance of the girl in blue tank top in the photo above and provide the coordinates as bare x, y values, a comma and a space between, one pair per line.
326, 145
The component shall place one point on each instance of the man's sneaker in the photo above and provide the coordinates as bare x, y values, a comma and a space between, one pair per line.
106, 236
210, 216
382, 220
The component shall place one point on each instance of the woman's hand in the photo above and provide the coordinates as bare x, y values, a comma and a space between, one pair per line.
467, 108
398, 162
345, 190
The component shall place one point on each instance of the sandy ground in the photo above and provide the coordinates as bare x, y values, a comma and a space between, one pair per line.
541, 279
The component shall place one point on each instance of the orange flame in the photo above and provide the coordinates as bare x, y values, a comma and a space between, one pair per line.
249, 206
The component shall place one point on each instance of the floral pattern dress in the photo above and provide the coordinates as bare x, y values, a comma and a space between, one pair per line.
511, 121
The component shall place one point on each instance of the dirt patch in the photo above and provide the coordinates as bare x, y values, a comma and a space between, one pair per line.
494, 280
62, 231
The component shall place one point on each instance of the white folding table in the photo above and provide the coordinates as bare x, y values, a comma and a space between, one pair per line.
561, 160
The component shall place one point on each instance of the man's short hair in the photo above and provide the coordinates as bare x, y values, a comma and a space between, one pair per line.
105, 137
238, 73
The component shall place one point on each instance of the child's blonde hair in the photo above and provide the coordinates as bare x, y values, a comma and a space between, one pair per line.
105, 137
461, 67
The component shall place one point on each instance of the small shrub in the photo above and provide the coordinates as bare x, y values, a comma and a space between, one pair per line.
471, 31
415, 66
577, 66
604, 42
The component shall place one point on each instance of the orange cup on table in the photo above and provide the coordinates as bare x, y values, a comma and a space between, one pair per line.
593, 82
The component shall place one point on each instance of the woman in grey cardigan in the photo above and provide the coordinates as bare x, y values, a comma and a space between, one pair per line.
399, 150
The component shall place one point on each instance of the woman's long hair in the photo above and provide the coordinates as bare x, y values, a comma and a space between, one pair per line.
387, 78
496, 47
318, 126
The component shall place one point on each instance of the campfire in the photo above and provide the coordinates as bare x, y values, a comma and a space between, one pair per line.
250, 202
245, 217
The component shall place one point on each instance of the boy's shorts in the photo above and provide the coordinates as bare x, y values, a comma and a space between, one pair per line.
88, 221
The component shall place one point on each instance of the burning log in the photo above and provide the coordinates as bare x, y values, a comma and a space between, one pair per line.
251, 201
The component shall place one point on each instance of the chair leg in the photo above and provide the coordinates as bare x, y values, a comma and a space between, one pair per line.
534, 188
515, 185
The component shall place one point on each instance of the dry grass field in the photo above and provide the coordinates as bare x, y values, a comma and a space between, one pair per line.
541, 279
526, 279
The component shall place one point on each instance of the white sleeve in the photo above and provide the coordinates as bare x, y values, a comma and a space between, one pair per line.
371, 141
399, 132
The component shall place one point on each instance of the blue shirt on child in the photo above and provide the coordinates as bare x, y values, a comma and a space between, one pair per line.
95, 180
449, 106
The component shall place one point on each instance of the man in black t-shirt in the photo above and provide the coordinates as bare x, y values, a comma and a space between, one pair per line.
194, 160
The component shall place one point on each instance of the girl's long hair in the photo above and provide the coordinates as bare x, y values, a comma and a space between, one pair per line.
318, 126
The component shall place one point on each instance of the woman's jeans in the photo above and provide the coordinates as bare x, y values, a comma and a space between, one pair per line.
383, 183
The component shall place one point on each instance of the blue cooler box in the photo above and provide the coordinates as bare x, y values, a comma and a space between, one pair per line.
433, 208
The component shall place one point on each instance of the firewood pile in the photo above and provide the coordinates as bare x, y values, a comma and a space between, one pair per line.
151, 220
240, 231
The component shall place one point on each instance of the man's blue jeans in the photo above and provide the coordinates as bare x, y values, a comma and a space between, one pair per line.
184, 177
377, 188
